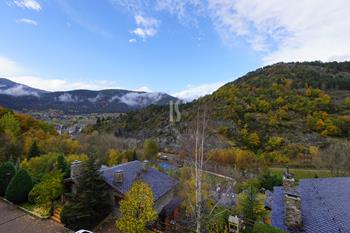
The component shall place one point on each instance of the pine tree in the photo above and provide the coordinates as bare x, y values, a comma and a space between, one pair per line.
34, 150
150, 149
62, 166
251, 208
7, 171
91, 203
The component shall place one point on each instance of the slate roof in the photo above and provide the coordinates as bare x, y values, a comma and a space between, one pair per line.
268, 199
325, 205
158, 181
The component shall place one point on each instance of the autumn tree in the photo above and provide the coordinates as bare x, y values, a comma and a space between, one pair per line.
347, 102
37, 167
150, 149
114, 157
10, 125
217, 221
137, 209
10, 130
274, 143
48, 190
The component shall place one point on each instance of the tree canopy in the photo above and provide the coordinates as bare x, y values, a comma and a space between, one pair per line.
48, 190
137, 209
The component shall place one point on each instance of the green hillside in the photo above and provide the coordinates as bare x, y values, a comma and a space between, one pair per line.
284, 112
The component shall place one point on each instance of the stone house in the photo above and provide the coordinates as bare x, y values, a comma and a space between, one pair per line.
120, 178
314, 205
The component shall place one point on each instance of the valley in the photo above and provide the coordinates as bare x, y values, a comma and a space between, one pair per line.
235, 146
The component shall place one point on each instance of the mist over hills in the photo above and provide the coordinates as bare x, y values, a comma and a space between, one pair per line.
24, 98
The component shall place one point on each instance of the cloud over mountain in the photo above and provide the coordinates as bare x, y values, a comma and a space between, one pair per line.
18, 90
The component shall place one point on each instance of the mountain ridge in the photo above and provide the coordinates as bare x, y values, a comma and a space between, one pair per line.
24, 98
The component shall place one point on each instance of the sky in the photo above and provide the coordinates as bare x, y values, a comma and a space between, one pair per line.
186, 48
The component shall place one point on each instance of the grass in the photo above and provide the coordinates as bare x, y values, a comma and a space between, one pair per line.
39, 210
301, 173
214, 180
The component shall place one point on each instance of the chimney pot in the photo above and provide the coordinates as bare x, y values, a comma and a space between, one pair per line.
145, 165
118, 177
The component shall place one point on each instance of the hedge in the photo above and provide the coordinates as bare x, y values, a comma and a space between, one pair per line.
19, 187
7, 171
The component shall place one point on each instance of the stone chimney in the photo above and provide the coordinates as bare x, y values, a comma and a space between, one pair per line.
75, 168
292, 210
118, 177
292, 202
288, 182
145, 165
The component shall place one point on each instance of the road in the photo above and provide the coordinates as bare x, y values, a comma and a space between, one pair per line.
14, 220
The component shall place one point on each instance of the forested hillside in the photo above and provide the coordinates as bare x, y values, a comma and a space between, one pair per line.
284, 112
23, 137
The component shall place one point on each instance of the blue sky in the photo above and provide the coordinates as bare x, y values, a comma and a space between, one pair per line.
182, 47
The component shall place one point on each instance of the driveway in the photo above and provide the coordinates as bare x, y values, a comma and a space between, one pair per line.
14, 220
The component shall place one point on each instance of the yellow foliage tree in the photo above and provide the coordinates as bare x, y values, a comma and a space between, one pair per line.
347, 102
113, 157
280, 101
80, 157
254, 139
137, 209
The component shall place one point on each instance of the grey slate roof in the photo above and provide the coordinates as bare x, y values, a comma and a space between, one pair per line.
268, 199
158, 181
325, 205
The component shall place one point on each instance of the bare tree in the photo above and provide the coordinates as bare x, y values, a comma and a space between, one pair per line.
336, 157
193, 141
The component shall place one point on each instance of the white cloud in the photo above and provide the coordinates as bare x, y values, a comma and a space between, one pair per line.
9, 67
133, 40
98, 97
27, 21
18, 90
287, 30
146, 26
138, 99
66, 97
62, 84
194, 92
26, 4
144, 89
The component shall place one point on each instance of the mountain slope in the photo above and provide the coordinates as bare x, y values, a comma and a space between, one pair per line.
297, 105
23, 98
8, 87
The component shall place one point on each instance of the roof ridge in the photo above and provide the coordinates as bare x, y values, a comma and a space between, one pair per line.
122, 164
